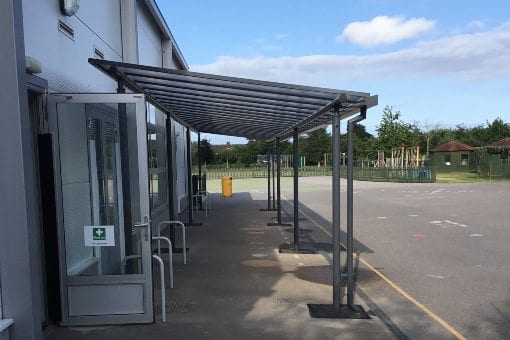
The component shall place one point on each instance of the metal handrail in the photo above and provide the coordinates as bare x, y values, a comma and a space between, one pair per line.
179, 223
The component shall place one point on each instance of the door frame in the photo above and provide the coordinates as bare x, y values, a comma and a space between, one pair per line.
145, 278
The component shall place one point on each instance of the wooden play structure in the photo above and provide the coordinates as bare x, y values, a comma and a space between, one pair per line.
402, 157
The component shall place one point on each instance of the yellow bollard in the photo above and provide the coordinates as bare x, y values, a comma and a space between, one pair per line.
226, 186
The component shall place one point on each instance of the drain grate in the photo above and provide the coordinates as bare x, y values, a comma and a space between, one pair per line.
175, 305
279, 301
326, 311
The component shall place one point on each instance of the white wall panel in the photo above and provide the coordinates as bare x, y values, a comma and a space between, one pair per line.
65, 60
149, 38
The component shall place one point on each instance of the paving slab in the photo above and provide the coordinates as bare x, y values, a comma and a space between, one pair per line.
236, 285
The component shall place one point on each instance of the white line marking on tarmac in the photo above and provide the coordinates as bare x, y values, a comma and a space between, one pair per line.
296, 256
455, 223
301, 263
382, 217
475, 235
431, 314
413, 215
258, 255
285, 238
436, 276
436, 191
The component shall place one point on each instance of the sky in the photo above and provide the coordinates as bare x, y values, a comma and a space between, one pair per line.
443, 62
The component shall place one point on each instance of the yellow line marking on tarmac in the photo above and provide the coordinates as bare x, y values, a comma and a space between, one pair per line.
402, 292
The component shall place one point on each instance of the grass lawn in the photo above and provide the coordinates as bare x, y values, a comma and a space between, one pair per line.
459, 177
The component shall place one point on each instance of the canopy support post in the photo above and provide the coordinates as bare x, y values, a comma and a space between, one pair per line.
350, 201
278, 188
336, 209
269, 159
190, 184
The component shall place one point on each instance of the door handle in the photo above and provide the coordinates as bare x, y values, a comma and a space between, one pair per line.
144, 224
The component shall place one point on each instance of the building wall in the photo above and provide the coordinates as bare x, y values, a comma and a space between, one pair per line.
97, 27
65, 60
437, 160
149, 38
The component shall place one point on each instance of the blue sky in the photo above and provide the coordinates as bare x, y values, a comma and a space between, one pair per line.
444, 62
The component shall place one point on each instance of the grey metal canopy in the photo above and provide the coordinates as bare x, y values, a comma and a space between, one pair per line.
235, 106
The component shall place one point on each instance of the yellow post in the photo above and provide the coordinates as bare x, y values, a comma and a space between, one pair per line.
226, 186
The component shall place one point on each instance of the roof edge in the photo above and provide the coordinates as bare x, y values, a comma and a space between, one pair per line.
165, 30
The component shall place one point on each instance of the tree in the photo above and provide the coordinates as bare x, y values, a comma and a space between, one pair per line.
314, 145
428, 130
247, 154
393, 132
496, 131
206, 152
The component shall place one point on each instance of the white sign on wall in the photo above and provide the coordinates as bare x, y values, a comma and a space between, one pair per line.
99, 235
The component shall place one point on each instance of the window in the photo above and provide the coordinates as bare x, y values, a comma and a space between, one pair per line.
156, 143
503, 156
464, 159
448, 159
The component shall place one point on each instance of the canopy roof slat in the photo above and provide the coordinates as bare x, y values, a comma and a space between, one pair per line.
248, 108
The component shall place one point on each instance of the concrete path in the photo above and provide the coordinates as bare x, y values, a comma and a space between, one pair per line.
237, 286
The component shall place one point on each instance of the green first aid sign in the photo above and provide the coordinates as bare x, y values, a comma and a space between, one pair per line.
99, 235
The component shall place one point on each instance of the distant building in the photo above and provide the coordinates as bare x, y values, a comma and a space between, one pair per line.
453, 156
494, 158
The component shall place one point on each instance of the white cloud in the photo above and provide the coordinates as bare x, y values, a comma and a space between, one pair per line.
384, 30
271, 48
476, 56
476, 24
280, 36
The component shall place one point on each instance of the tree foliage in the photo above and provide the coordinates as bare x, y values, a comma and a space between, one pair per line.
392, 132
314, 145
206, 152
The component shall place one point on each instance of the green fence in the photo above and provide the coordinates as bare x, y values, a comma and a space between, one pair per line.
415, 175
495, 170
410, 175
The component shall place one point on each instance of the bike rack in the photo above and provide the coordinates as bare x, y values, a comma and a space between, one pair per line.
204, 195
170, 259
179, 223
162, 279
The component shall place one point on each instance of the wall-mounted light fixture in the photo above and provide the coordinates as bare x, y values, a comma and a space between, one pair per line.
69, 7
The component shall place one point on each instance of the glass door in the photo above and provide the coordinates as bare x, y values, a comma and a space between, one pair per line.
103, 208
